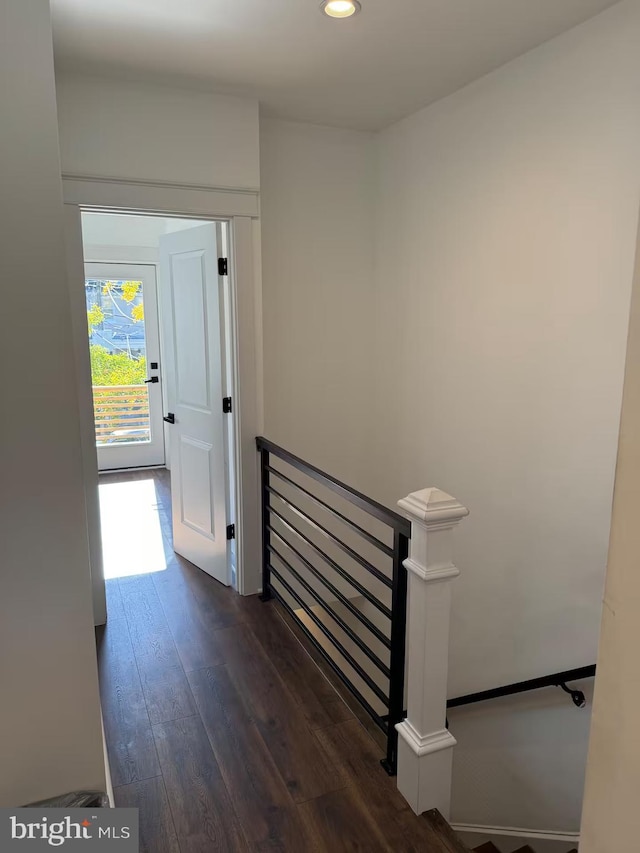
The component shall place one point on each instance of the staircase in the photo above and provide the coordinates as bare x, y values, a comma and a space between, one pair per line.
445, 839
490, 847
341, 573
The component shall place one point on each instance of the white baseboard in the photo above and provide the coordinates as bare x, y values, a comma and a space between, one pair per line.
107, 769
509, 838
130, 470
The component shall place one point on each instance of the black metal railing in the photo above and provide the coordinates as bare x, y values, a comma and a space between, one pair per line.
351, 605
557, 679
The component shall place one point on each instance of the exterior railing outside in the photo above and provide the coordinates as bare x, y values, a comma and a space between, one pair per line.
121, 414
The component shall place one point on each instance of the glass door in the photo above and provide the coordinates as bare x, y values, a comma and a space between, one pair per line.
124, 346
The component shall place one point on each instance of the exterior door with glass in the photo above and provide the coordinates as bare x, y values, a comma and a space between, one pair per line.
124, 344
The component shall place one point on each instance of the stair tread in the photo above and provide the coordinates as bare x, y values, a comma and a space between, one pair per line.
490, 847
450, 843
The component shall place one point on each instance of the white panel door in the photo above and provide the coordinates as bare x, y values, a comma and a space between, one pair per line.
190, 293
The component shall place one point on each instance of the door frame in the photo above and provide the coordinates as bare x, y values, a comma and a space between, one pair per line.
240, 209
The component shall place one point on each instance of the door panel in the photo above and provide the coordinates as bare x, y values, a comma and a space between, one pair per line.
190, 295
195, 486
124, 341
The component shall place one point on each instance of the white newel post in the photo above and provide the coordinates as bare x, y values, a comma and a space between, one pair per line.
424, 743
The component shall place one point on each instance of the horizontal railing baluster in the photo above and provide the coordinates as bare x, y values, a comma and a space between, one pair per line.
348, 630
332, 537
373, 540
379, 720
343, 574
353, 663
377, 633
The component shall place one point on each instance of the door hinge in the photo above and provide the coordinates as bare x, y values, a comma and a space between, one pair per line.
231, 531
226, 405
223, 266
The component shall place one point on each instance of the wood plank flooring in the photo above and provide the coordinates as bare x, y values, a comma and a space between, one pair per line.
225, 734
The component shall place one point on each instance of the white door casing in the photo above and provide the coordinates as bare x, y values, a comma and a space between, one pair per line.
191, 310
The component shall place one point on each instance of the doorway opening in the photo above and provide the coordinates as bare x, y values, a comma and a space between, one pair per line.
160, 321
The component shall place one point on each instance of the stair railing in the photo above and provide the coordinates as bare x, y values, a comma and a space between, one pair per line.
371, 590
381, 624
555, 679
339, 571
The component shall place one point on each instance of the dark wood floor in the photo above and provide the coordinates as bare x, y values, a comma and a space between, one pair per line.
225, 734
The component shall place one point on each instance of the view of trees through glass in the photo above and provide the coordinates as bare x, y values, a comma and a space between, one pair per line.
115, 316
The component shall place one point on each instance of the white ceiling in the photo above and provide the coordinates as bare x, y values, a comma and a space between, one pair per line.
363, 72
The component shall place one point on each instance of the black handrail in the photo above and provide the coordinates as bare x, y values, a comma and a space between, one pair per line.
558, 679
393, 519
282, 543
343, 518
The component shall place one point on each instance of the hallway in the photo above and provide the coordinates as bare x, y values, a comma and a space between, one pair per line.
223, 731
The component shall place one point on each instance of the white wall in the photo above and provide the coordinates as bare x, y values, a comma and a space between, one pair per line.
49, 712
613, 772
119, 129
316, 217
506, 219
120, 231
121, 237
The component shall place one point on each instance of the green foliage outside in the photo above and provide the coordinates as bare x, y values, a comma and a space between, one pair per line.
95, 316
116, 368
124, 414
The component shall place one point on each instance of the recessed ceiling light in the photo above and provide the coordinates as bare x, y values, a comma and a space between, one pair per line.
340, 8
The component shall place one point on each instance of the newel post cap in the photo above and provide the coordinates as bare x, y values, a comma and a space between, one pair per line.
432, 506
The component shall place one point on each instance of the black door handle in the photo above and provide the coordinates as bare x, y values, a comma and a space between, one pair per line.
170, 418
153, 380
